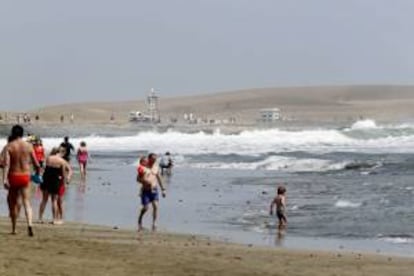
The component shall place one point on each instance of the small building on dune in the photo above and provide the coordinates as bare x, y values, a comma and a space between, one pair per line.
269, 115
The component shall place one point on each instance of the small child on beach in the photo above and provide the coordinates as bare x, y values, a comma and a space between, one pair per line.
280, 202
143, 170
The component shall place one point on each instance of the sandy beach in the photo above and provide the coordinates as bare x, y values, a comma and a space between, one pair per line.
75, 249
79, 249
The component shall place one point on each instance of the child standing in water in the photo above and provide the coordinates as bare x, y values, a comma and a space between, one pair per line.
280, 202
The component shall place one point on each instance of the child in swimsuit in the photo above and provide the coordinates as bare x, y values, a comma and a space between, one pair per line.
280, 202
143, 170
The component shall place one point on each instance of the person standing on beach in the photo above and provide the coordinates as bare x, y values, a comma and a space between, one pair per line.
82, 156
19, 156
68, 148
280, 202
166, 163
149, 190
57, 173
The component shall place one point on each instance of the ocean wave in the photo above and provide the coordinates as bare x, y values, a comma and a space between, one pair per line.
347, 204
372, 139
364, 124
398, 239
276, 163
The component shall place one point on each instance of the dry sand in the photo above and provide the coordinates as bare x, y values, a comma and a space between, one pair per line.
321, 104
75, 249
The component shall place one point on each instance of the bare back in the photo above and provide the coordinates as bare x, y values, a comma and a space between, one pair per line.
57, 161
20, 155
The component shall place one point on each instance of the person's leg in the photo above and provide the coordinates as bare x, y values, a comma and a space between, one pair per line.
141, 216
25, 192
81, 171
12, 201
42, 206
154, 214
284, 221
84, 170
60, 208
54, 208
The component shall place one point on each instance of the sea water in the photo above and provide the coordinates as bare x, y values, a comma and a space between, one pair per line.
347, 188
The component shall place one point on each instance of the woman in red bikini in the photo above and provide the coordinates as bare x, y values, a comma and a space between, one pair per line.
82, 157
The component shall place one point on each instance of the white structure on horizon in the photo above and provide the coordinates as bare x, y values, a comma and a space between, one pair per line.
269, 115
152, 105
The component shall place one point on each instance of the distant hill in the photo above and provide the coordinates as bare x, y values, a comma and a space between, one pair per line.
300, 103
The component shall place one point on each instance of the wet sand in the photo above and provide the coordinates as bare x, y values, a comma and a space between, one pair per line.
76, 249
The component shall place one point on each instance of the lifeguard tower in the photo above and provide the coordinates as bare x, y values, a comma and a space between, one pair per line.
153, 107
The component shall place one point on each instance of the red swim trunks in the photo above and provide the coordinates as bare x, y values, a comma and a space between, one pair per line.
19, 180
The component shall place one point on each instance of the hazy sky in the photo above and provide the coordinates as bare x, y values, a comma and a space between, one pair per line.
87, 50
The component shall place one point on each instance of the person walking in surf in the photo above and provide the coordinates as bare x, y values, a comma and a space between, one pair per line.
82, 156
149, 177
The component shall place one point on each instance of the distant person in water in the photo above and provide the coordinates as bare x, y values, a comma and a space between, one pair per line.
82, 156
18, 157
280, 203
68, 148
149, 177
166, 163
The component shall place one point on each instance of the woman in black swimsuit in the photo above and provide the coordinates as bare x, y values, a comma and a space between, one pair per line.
55, 171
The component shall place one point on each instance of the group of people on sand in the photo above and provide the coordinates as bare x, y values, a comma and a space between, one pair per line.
19, 157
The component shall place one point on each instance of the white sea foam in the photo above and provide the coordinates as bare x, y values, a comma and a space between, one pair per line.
398, 240
252, 142
276, 163
347, 204
364, 124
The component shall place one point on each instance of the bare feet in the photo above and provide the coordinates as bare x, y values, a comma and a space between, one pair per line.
140, 228
30, 231
154, 228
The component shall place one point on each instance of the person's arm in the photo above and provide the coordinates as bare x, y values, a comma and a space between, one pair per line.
272, 207
144, 179
159, 178
66, 172
6, 169
34, 159
69, 171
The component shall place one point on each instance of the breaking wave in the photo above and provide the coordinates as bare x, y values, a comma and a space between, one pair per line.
255, 142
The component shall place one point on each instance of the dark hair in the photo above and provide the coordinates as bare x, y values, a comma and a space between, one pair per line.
167, 153
54, 151
281, 190
16, 132
152, 156
83, 144
66, 138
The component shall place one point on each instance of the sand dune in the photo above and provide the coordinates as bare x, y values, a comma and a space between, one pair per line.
327, 103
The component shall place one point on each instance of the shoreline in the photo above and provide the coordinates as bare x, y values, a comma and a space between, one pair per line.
82, 249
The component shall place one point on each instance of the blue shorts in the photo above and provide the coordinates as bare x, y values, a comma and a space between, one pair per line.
148, 196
